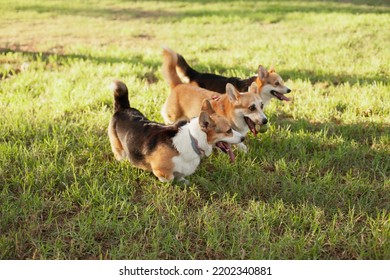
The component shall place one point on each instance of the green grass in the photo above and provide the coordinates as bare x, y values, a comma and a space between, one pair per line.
314, 186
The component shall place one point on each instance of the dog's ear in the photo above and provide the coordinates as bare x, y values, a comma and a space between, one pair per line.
253, 88
232, 92
205, 121
206, 106
271, 69
262, 73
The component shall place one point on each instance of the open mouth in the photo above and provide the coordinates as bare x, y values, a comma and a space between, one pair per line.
251, 125
279, 95
226, 148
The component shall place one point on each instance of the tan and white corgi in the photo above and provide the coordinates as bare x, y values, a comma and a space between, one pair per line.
243, 110
169, 151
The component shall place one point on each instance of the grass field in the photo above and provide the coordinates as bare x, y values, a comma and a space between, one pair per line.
315, 185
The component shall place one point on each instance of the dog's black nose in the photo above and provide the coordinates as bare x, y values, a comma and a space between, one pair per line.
288, 90
265, 121
242, 138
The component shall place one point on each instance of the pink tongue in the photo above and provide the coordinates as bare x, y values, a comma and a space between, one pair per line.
228, 149
284, 97
231, 155
251, 126
254, 131
281, 96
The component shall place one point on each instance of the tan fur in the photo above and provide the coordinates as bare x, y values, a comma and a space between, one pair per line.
218, 126
185, 100
116, 144
272, 78
170, 152
222, 126
161, 162
194, 83
169, 70
225, 107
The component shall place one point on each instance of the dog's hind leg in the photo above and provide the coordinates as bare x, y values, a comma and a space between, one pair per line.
116, 144
161, 163
171, 111
164, 113
182, 180
163, 176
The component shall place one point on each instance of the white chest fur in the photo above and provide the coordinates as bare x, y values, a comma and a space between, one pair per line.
188, 159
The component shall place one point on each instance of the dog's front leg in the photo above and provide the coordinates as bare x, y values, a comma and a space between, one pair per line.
242, 147
183, 181
162, 176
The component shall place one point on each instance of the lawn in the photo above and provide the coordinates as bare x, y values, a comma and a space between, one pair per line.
315, 185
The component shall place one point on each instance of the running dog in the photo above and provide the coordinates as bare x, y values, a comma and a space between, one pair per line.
269, 82
243, 110
169, 151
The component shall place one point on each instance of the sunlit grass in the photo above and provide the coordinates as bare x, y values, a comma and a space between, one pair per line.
315, 185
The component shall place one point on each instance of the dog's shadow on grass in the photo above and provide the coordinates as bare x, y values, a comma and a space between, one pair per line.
63, 58
329, 78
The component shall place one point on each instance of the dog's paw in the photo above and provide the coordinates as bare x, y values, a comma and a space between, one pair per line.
120, 156
242, 147
183, 181
164, 180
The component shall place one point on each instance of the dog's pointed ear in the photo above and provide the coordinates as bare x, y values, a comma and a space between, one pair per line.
206, 106
253, 88
204, 120
262, 73
232, 92
271, 69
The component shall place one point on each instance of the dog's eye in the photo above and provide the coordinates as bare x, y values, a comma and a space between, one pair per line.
252, 107
230, 131
277, 84
262, 106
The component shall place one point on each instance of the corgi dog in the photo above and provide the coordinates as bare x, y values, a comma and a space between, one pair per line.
269, 82
271, 85
169, 151
243, 110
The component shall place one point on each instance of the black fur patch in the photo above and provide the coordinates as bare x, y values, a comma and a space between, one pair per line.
140, 135
213, 82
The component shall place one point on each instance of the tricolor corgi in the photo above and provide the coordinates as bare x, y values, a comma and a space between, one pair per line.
169, 151
269, 82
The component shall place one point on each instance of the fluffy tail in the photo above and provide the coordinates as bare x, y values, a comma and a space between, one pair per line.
184, 69
169, 67
121, 99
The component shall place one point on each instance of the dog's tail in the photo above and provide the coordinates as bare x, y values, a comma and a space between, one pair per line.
184, 69
169, 67
121, 96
